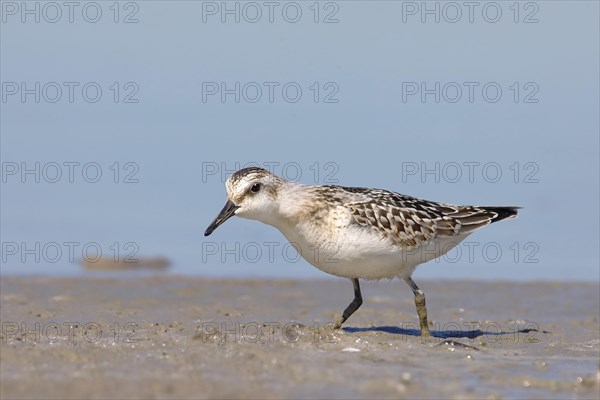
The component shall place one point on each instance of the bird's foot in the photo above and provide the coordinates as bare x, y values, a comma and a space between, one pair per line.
426, 335
337, 324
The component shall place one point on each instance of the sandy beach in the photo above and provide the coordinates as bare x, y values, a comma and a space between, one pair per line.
184, 337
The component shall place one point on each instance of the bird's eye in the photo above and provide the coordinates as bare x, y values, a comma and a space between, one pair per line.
255, 188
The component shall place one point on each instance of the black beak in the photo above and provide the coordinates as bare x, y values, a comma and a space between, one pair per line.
227, 212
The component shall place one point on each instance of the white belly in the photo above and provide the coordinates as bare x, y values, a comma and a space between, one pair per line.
354, 253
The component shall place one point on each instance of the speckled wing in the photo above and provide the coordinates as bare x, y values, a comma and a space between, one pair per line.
410, 222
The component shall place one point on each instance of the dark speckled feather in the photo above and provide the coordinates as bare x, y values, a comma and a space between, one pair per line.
409, 221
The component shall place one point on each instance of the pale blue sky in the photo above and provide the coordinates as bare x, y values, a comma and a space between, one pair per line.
374, 135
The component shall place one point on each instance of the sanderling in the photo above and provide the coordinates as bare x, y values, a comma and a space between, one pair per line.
357, 233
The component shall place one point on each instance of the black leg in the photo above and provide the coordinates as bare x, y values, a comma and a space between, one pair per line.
355, 305
421, 309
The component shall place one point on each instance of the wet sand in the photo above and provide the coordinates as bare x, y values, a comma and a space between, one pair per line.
176, 337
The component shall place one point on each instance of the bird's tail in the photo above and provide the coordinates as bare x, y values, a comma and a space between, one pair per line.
502, 212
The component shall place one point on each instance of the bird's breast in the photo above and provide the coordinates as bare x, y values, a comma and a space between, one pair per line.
344, 249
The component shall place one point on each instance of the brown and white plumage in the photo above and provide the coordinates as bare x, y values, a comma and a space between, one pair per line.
348, 231
410, 222
354, 232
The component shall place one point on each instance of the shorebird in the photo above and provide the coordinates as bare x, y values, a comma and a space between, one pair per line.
357, 233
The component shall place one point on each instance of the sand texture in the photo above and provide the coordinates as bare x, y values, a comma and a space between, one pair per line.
182, 337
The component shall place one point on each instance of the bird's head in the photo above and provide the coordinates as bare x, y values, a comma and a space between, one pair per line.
252, 194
